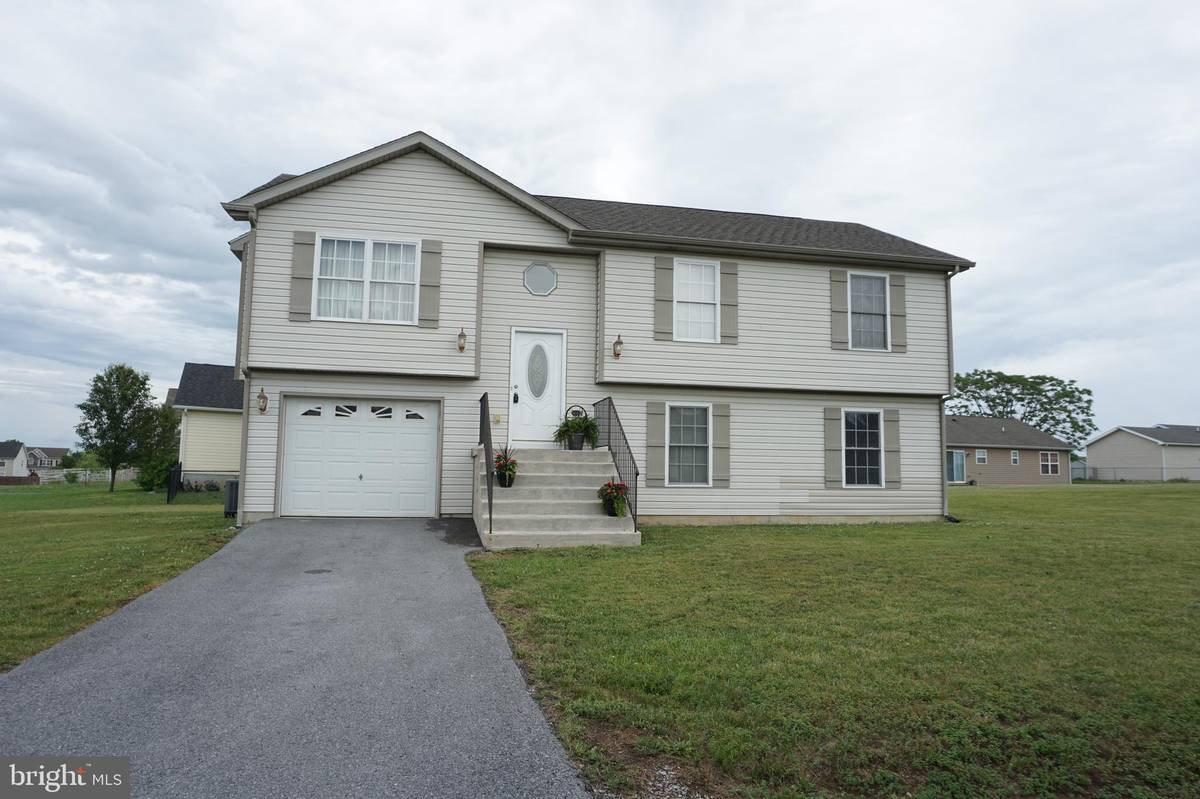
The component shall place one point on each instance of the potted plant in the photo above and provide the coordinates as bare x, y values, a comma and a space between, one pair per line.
614, 495
574, 430
506, 467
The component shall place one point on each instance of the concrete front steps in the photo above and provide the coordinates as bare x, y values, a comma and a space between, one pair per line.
553, 503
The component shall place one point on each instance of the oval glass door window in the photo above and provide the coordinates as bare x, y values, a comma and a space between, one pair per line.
538, 370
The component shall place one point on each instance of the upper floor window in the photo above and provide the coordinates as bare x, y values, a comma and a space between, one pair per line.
350, 288
1049, 463
1014, 457
868, 312
862, 448
697, 300
981, 457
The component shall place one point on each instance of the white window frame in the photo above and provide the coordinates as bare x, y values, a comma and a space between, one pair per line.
981, 457
1014, 457
882, 449
962, 452
1051, 459
716, 339
667, 443
887, 305
369, 240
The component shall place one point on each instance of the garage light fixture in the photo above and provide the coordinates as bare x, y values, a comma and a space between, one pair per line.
618, 347
263, 399
462, 340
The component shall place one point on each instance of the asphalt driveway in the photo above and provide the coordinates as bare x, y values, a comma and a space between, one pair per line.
306, 658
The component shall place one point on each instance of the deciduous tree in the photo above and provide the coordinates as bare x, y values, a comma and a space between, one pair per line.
1059, 407
117, 417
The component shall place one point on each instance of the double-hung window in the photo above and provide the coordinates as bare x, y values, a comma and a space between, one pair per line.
697, 292
366, 280
1014, 457
868, 312
981, 457
689, 445
862, 449
1049, 463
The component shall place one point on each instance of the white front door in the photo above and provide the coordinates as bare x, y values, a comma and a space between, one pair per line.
537, 387
359, 457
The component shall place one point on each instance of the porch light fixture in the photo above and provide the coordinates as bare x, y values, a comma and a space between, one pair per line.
262, 400
462, 340
618, 347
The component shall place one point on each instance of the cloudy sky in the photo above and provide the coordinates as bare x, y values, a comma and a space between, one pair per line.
1057, 144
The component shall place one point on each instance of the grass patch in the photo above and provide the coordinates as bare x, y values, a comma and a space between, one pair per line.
1048, 646
75, 553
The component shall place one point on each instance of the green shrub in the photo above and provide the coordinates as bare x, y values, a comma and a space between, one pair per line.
154, 472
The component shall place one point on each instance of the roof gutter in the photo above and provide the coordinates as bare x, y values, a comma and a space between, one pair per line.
656, 242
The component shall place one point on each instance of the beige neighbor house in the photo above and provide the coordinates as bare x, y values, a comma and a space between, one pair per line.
13, 459
1162, 452
402, 304
209, 400
45, 457
983, 450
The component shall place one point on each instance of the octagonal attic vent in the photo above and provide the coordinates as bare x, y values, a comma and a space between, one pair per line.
540, 278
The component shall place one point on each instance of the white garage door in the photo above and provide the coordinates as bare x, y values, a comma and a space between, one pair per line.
359, 457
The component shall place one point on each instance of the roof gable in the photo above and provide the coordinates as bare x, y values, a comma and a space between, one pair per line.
10, 449
284, 185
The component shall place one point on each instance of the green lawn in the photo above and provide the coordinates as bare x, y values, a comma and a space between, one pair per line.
71, 554
1047, 646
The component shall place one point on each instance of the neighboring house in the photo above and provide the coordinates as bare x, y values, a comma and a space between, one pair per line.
763, 368
984, 450
45, 457
13, 459
1161, 452
209, 400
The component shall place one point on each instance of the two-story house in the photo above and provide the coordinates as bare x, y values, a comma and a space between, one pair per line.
761, 368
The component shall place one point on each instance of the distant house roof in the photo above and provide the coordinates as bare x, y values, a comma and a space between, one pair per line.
51, 452
10, 449
208, 385
601, 222
988, 431
1171, 435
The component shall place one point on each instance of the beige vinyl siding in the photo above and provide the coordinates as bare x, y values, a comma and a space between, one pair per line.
415, 196
783, 333
1125, 456
1182, 462
210, 441
999, 469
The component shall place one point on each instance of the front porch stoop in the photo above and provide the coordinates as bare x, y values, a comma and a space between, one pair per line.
553, 503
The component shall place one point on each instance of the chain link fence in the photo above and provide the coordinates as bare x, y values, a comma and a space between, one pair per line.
1142, 474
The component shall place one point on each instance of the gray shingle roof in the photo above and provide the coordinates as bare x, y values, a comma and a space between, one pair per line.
987, 431
51, 452
10, 449
1171, 433
208, 385
732, 227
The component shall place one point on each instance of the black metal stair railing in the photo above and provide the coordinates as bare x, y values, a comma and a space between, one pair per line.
485, 439
612, 434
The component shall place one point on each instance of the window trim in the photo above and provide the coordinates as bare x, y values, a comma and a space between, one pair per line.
882, 450
1014, 457
984, 453
887, 310
369, 240
667, 443
716, 339
1043, 462
963, 481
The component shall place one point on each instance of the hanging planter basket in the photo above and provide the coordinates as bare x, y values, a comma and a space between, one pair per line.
577, 429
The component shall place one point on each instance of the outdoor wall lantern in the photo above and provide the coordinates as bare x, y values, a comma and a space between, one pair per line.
618, 347
462, 340
262, 400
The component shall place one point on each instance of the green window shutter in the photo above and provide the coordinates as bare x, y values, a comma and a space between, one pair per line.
656, 444
729, 302
431, 283
833, 448
899, 313
891, 448
839, 311
720, 444
664, 295
304, 244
